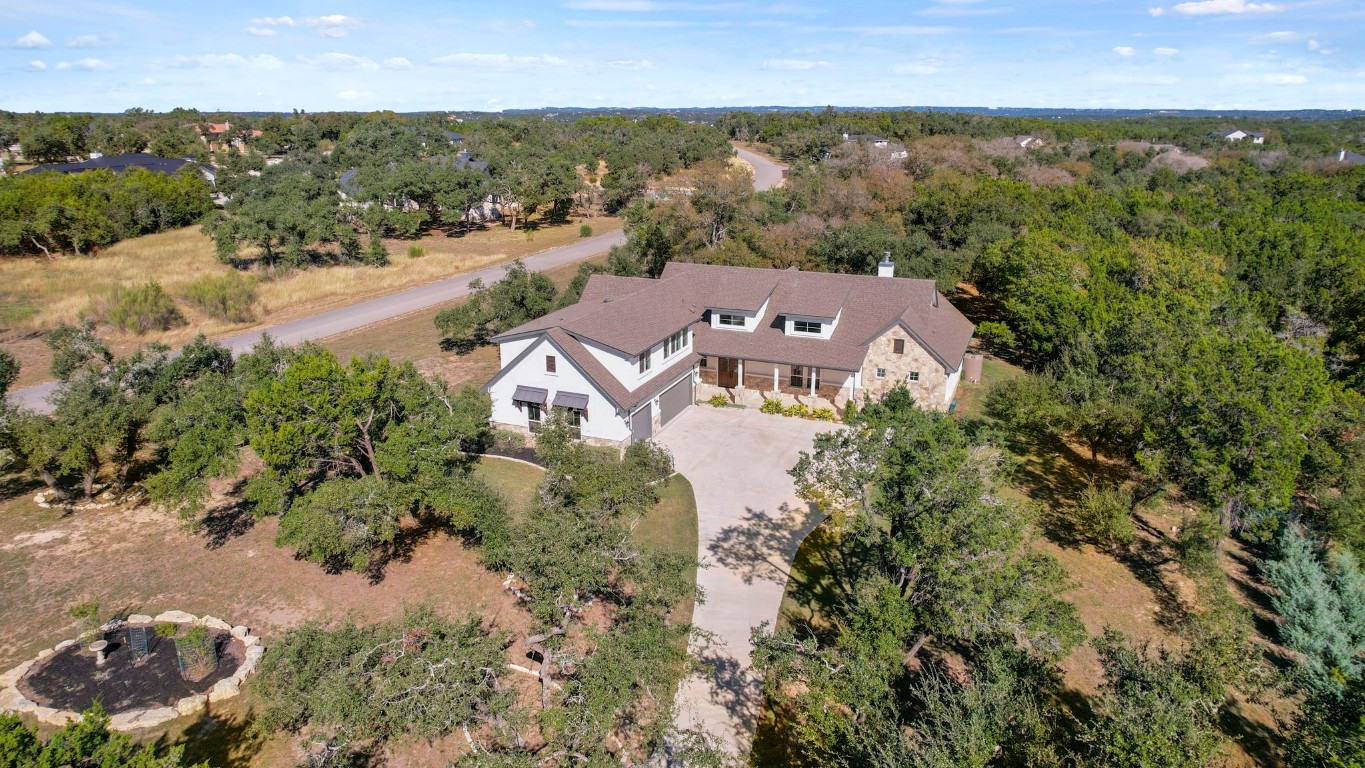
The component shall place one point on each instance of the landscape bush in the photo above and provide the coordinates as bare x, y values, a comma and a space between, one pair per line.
771, 405
1104, 514
797, 410
718, 401
230, 297
141, 309
823, 414
585, 231
416, 251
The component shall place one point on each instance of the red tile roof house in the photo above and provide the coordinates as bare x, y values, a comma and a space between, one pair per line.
633, 353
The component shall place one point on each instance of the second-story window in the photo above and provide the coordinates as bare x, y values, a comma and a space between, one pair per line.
645, 361
732, 321
807, 326
675, 343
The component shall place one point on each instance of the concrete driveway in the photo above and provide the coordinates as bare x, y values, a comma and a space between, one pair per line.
749, 524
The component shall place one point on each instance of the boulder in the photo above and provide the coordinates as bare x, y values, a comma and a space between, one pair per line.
224, 689
63, 645
175, 617
240, 632
215, 623
14, 675
55, 716
44, 653
139, 618
11, 700
142, 718
251, 640
253, 657
191, 704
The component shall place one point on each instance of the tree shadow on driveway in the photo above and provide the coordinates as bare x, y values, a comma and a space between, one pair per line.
761, 546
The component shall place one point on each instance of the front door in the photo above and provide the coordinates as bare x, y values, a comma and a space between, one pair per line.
727, 372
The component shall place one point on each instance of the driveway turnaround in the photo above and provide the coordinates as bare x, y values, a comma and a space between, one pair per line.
749, 524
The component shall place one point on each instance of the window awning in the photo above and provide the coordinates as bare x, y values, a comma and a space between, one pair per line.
530, 395
571, 400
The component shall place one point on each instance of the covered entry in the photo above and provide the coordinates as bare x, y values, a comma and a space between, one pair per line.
675, 399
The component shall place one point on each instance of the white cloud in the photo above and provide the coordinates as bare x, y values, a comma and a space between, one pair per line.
1158, 11
497, 61
1313, 44
84, 65
353, 95
335, 25
902, 29
1279, 37
274, 21
1124, 50
794, 64
86, 41
37, 65
917, 68
223, 60
339, 62
1284, 79
260, 31
397, 62
33, 39
631, 64
1213, 7
1166, 51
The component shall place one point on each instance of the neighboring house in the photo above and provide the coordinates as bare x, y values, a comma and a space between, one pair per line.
867, 138
1028, 142
1237, 134
121, 163
633, 353
1348, 157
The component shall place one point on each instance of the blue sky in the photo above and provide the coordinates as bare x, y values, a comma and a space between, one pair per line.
336, 54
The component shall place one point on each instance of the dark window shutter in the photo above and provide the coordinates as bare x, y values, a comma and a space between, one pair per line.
549, 363
898, 346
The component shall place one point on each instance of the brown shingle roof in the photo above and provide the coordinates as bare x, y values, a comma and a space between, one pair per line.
626, 399
632, 314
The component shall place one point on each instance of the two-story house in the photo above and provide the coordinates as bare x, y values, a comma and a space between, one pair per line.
633, 353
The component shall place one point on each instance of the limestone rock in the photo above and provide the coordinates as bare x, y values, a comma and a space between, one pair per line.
11, 700
63, 645
191, 704
139, 618
215, 623
55, 716
253, 657
175, 617
14, 675
142, 718
225, 689
251, 640
44, 653
240, 632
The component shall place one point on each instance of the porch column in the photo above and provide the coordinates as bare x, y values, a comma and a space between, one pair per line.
741, 373
814, 372
775, 380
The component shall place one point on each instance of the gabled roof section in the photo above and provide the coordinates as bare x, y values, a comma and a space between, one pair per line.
612, 287
745, 290
119, 164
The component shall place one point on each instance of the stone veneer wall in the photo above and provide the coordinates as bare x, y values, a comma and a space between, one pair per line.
931, 388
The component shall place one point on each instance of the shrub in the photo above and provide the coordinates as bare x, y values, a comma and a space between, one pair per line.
86, 613
141, 309
507, 440
416, 251
167, 629
227, 297
851, 412
823, 414
719, 401
585, 231
1196, 546
799, 410
996, 336
198, 653
1105, 516
376, 255
771, 406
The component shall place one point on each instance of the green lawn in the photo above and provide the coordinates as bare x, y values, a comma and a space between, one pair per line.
971, 398
516, 480
672, 527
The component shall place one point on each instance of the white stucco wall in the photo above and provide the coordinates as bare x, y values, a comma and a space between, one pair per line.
508, 350
827, 326
751, 319
602, 420
950, 389
626, 369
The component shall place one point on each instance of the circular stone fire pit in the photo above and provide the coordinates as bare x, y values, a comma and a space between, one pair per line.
64, 680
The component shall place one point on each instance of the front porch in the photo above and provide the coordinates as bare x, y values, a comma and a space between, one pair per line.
740, 382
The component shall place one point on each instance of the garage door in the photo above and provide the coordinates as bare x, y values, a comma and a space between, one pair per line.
675, 399
642, 424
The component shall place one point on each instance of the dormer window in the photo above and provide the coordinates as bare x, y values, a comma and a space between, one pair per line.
807, 326
730, 321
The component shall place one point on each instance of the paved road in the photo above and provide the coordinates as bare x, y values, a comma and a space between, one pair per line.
361, 314
767, 174
749, 524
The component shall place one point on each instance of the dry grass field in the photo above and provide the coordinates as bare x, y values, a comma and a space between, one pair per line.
37, 294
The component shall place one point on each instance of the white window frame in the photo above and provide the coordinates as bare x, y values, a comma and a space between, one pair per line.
912, 376
819, 327
645, 361
881, 373
675, 344
727, 320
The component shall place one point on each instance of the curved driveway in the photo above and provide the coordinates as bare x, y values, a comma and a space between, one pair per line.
767, 174
749, 524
